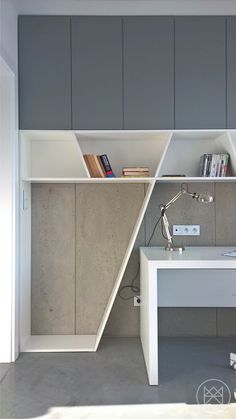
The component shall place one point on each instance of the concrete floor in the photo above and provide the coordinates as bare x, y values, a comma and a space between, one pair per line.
114, 375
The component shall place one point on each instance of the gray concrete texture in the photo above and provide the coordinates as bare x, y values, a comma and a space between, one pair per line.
105, 216
114, 375
105, 219
53, 259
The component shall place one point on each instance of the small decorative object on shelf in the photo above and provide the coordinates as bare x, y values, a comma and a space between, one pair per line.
98, 166
214, 165
135, 172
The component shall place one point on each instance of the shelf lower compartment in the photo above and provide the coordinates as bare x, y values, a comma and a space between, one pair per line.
59, 343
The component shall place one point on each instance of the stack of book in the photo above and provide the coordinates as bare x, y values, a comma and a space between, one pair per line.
214, 165
98, 166
135, 171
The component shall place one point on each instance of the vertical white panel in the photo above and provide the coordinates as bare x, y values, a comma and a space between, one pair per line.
7, 212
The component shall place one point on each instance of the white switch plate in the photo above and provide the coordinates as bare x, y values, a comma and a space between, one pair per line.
25, 200
186, 230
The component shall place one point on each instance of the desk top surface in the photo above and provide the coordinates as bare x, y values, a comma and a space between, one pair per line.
192, 253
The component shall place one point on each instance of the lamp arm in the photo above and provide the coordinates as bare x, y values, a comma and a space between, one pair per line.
177, 196
167, 229
163, 208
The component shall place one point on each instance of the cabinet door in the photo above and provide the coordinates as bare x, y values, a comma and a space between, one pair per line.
231, 72
97, 73
148, 72
200, 72
44, 72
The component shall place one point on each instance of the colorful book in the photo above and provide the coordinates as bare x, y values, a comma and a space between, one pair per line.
106, 166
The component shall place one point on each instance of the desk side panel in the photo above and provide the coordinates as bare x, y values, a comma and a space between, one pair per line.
148, 318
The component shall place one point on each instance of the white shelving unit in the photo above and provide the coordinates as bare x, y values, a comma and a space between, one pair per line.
57, 157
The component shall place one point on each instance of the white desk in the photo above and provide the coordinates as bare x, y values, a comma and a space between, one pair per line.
199, 277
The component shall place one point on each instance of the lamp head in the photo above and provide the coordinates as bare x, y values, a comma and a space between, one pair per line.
202, 198
205, 198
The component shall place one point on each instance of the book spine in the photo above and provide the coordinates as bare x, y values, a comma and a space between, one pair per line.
202, 161
218, 166
208, 169
86, 159
99, 165
107, 166
226, 164
222, 164
213, 165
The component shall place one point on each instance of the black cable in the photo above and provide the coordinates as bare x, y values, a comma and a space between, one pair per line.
134, 288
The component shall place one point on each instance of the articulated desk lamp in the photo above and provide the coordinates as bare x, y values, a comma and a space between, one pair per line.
203, 198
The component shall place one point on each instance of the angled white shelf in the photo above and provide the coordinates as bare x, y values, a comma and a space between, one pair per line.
57, 157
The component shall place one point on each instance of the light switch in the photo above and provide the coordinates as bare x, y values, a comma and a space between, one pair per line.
25, 200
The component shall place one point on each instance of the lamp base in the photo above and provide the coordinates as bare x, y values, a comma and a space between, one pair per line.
170, 248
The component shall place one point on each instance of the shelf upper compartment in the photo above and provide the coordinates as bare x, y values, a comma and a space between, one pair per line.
51, 154
57, 156
186, 148
126, 148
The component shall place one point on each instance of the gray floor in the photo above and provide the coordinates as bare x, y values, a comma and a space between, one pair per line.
114, 375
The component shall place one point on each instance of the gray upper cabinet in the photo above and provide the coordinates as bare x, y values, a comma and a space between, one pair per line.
200, 72
44, 72
148, 72
231, 72
97, 73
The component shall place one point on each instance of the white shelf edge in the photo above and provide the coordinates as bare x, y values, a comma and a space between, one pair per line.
173, 179
168, 179
59, 343
90, 180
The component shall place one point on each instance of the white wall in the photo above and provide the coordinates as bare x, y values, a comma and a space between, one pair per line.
9, 183
127, 7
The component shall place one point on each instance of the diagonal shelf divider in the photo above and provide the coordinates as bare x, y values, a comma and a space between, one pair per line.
124, 263
231, 135
130, 247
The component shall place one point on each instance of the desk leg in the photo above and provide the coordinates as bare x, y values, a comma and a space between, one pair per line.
148, 318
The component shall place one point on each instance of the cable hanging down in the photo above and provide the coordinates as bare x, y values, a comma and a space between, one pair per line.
134, 288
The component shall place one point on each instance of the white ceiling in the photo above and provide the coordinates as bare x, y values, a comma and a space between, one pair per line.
126, 7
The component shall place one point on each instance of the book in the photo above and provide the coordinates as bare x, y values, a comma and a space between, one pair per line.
86, 159
94, 166
106, 166
99, 166
214, 165
135, 172
135, 169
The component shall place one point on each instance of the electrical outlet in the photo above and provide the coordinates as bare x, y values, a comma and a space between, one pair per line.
186, 230
137, 301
